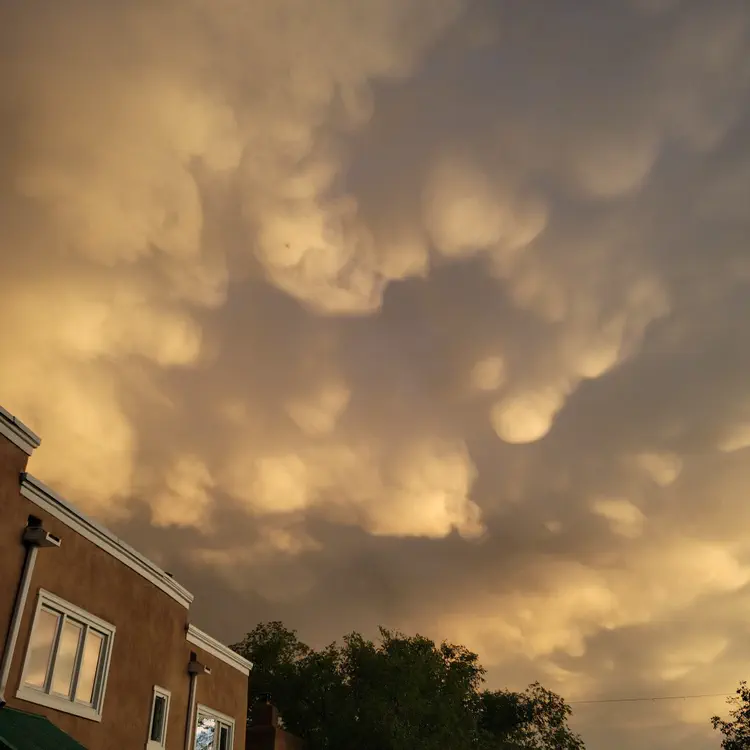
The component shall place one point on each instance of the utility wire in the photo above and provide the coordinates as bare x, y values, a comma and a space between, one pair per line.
656, 698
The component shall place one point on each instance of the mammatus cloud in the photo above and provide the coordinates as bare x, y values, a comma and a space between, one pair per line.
429, 313
425, 491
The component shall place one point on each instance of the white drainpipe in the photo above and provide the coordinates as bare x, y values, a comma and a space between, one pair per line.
195, 668
34, 537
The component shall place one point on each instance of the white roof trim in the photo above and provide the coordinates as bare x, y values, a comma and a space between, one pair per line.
214, 714
56, 506
18, 433
219, 650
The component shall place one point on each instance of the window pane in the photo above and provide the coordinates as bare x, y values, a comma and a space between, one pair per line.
158, 720
40, 648
92, 651
223, 737
65, 659
205, 733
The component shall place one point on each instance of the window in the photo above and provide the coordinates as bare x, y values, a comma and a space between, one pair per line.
213, 731
157, 727
67, 658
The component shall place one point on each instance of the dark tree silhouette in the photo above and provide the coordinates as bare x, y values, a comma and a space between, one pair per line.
736, 732
399, 693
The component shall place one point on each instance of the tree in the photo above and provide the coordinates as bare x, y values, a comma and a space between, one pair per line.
406, 692
535, 719
399, 693
736, 732
275, 652
500, 713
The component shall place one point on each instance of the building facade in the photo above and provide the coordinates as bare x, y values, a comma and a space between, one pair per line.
264, 732
97, 638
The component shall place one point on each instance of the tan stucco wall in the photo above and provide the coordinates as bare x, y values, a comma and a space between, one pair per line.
12, 520
149, 645
225, 691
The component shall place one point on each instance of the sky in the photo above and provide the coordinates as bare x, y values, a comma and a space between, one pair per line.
433, 314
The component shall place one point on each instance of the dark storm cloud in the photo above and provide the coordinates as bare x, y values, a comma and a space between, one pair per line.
428, 314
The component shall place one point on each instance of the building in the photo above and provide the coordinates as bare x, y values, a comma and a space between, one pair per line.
264, 732
98, 640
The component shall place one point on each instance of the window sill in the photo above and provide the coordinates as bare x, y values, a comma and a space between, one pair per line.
152, 745
58, 704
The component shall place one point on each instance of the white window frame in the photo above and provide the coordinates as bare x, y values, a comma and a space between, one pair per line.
159, 692
228, 721
48, 600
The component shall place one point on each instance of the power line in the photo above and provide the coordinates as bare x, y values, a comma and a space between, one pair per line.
655, 698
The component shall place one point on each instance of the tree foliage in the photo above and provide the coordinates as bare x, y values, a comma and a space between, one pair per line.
736, 732
540, 718
399, 693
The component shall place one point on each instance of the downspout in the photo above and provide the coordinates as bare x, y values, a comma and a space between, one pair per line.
195, 668
191, 713
34, 536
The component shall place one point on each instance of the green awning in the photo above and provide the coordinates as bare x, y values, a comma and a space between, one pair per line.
23, 731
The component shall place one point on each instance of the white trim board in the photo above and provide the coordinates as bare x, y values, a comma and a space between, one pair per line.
52, 602
55, 505
59, 704
167, 695
56, 602
18, 433
210, 645
214, 714
217, 716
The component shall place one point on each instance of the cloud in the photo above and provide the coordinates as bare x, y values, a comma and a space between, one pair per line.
488, 374
466, 212
429, 313
320, 414
186, 500
624, 518
664, 469
423, 489
527, 417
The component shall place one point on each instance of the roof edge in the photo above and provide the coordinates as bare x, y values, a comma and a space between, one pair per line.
198, 638
18, 433
48, 500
